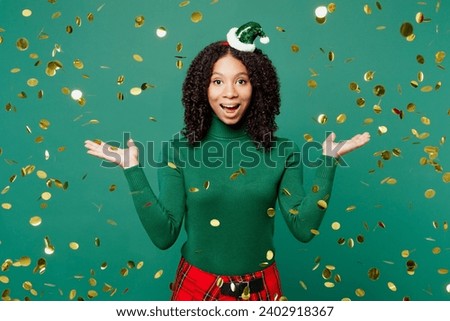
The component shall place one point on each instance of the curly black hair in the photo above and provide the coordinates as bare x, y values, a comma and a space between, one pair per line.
259, 119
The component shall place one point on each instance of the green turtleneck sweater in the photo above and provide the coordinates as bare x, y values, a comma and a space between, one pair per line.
226, 191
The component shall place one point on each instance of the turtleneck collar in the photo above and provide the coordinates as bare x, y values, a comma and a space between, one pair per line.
219, 129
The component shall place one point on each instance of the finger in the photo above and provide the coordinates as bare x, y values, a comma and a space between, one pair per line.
130, 143
331, 137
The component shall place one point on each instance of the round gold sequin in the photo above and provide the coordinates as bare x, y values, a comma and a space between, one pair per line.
442, 271
214, 222
138, 58
44, 124
374, 274
139, 21
158, 274
379, 90
46, 196
271, 212
335, 226
430, 193
171, 165
135, 91
369, 75
406, 29
193, 190
322, 119
35, 221
392, 286
341, 118
32, 82
382, 130
74, 246
161, 32
322, 204
329, 284
312, 83
196, 17
22, 44
269, 255
78, 64
360, 102
360, 292
6, 206
446, 177
367, 9
295, 48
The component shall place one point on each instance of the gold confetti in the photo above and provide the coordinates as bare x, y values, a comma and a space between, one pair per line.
392, 286
6, 206
193, 189
22, 44
360, 292
184, 3
206, 185
74, 246
322, 204
271, 212
335, 226
322, 119
280, 29
158, 274
139, 21
341, 118
430, 193
382, 130
269, 255
171, 165
374, 274
214, 222
35, 221
295, 48
46, 196
303, 285
442, 271
196, 17
293, 211
138, 58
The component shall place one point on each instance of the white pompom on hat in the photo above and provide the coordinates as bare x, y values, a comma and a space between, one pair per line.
243, 38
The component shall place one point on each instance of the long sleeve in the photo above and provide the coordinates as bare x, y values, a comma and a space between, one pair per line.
303, 209
161, 216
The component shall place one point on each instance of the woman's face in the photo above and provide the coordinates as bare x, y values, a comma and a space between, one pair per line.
230, 90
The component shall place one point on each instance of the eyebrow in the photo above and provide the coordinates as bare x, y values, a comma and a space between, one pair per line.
237, 75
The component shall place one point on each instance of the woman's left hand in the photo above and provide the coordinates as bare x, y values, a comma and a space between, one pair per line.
337, 149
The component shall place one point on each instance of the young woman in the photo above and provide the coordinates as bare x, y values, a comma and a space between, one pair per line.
224, 175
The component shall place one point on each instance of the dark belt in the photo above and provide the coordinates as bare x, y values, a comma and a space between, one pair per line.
236, 289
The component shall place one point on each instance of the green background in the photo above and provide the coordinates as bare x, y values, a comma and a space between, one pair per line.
392, 224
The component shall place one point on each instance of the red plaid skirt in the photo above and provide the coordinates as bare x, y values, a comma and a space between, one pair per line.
194, 284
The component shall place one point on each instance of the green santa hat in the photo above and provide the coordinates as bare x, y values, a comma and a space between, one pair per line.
243, 38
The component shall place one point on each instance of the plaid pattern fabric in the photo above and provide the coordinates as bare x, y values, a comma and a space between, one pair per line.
193, 284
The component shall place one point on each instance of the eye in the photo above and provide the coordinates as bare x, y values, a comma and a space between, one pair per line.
217, 81
242, 81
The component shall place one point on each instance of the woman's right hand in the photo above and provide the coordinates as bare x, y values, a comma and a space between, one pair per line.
125, 158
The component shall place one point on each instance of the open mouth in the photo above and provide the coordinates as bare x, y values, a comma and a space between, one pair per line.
230, 108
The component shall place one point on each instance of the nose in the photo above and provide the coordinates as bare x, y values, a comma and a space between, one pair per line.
230, 91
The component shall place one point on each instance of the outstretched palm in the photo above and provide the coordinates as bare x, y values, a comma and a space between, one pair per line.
125, 158
337, 149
